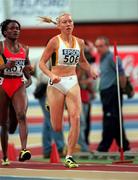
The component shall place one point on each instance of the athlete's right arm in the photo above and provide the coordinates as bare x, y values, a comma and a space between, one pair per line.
4, 65
49, 50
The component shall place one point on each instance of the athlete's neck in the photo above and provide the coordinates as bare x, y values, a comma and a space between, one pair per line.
12, 45
66, 37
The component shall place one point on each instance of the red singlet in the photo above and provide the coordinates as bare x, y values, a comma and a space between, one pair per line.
12, 79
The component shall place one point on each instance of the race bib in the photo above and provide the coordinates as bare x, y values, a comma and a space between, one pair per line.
71, 56
17, 70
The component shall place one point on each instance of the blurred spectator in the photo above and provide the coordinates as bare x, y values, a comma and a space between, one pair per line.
84, 80
90, 52
48, 134
87, 93
109, 96
91, 55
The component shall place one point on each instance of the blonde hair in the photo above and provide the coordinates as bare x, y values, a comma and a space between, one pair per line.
47, 19
62, 14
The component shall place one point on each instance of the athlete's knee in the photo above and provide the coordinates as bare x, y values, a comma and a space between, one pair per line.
3, 123
75, 117
75, 121
4, 127
21, 116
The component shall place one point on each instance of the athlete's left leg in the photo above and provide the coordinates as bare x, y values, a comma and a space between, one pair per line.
4, 100
20, 104
73, 102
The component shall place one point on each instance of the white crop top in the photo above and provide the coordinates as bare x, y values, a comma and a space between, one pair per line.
65, 55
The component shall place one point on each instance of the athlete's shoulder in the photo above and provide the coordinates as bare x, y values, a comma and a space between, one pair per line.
80, 41
24, 46
54, 39
1, 47
53, 42
25, 49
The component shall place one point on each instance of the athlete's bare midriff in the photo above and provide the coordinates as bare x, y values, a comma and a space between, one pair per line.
64, 70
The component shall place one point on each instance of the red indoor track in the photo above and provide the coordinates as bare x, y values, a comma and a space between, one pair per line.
51, 171
83, 166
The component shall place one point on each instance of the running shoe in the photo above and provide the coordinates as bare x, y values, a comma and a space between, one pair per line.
70, 163
5, 162
24, 155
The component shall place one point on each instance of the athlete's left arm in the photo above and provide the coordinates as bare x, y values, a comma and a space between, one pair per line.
83, 61
28, 82
28, 66
28, 70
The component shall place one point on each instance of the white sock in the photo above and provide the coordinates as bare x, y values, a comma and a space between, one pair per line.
67, 156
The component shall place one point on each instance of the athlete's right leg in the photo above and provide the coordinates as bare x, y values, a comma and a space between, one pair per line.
73, 102
48, 133
56, 104
13, 122
4, 100
19, 101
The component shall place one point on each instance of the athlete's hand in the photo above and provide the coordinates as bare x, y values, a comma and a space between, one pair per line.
93, 73
29, 69
28, 82
10, 64
55, 79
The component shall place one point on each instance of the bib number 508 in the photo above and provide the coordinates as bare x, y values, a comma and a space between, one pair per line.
71, 59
